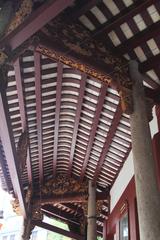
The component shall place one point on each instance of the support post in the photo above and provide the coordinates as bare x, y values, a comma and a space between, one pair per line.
91, 228
148, 196
26, 229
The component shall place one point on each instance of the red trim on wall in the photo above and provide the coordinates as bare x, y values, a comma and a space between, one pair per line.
128, 195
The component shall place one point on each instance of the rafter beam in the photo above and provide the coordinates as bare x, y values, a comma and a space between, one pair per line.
94, 129
18, 77
35, 22
139, 39
57, 114
10, 152
109, 138
57, 230
122, 17
37, 65
77, 119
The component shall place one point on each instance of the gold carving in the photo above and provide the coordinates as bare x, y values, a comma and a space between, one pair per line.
3, 57
24, 11
63, 184
126, 100
94, 55
74, 64
16, 206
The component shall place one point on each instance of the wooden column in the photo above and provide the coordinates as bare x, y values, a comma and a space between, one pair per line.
91, 229
148, 196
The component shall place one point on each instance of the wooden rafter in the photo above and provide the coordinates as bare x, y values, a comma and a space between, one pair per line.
83, 8
109, 138
77, 119
10, 151
94, 129
35, 22
139, 38
18, 77
150, 63
37, 65
122, 17
57, 114
57, 230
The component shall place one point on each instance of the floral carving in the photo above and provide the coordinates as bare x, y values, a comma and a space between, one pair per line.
63, 184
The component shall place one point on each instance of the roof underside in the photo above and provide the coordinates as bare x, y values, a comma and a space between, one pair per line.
74, 122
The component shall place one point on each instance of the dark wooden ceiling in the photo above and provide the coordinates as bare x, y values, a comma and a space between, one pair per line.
75, 123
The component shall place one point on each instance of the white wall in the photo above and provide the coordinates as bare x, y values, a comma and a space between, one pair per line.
122, 181
127, 171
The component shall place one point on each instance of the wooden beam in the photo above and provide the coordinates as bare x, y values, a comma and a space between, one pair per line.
93, 65
35, 22
68, 197
94, 129
37, 65
77, 119
18, 77
10, 152
57, 114
122, 17
57, 230
109, 138
56, 213
139, 39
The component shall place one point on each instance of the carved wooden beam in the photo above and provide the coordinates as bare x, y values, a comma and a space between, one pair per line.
73, 45
41, 16
67, 197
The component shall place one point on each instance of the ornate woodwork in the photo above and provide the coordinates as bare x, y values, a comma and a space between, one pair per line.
63, 184
22, 151
16, 206
11, 17
73, 45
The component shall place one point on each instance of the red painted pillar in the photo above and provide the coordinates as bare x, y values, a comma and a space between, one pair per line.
158, 115
156, 146
105, 230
